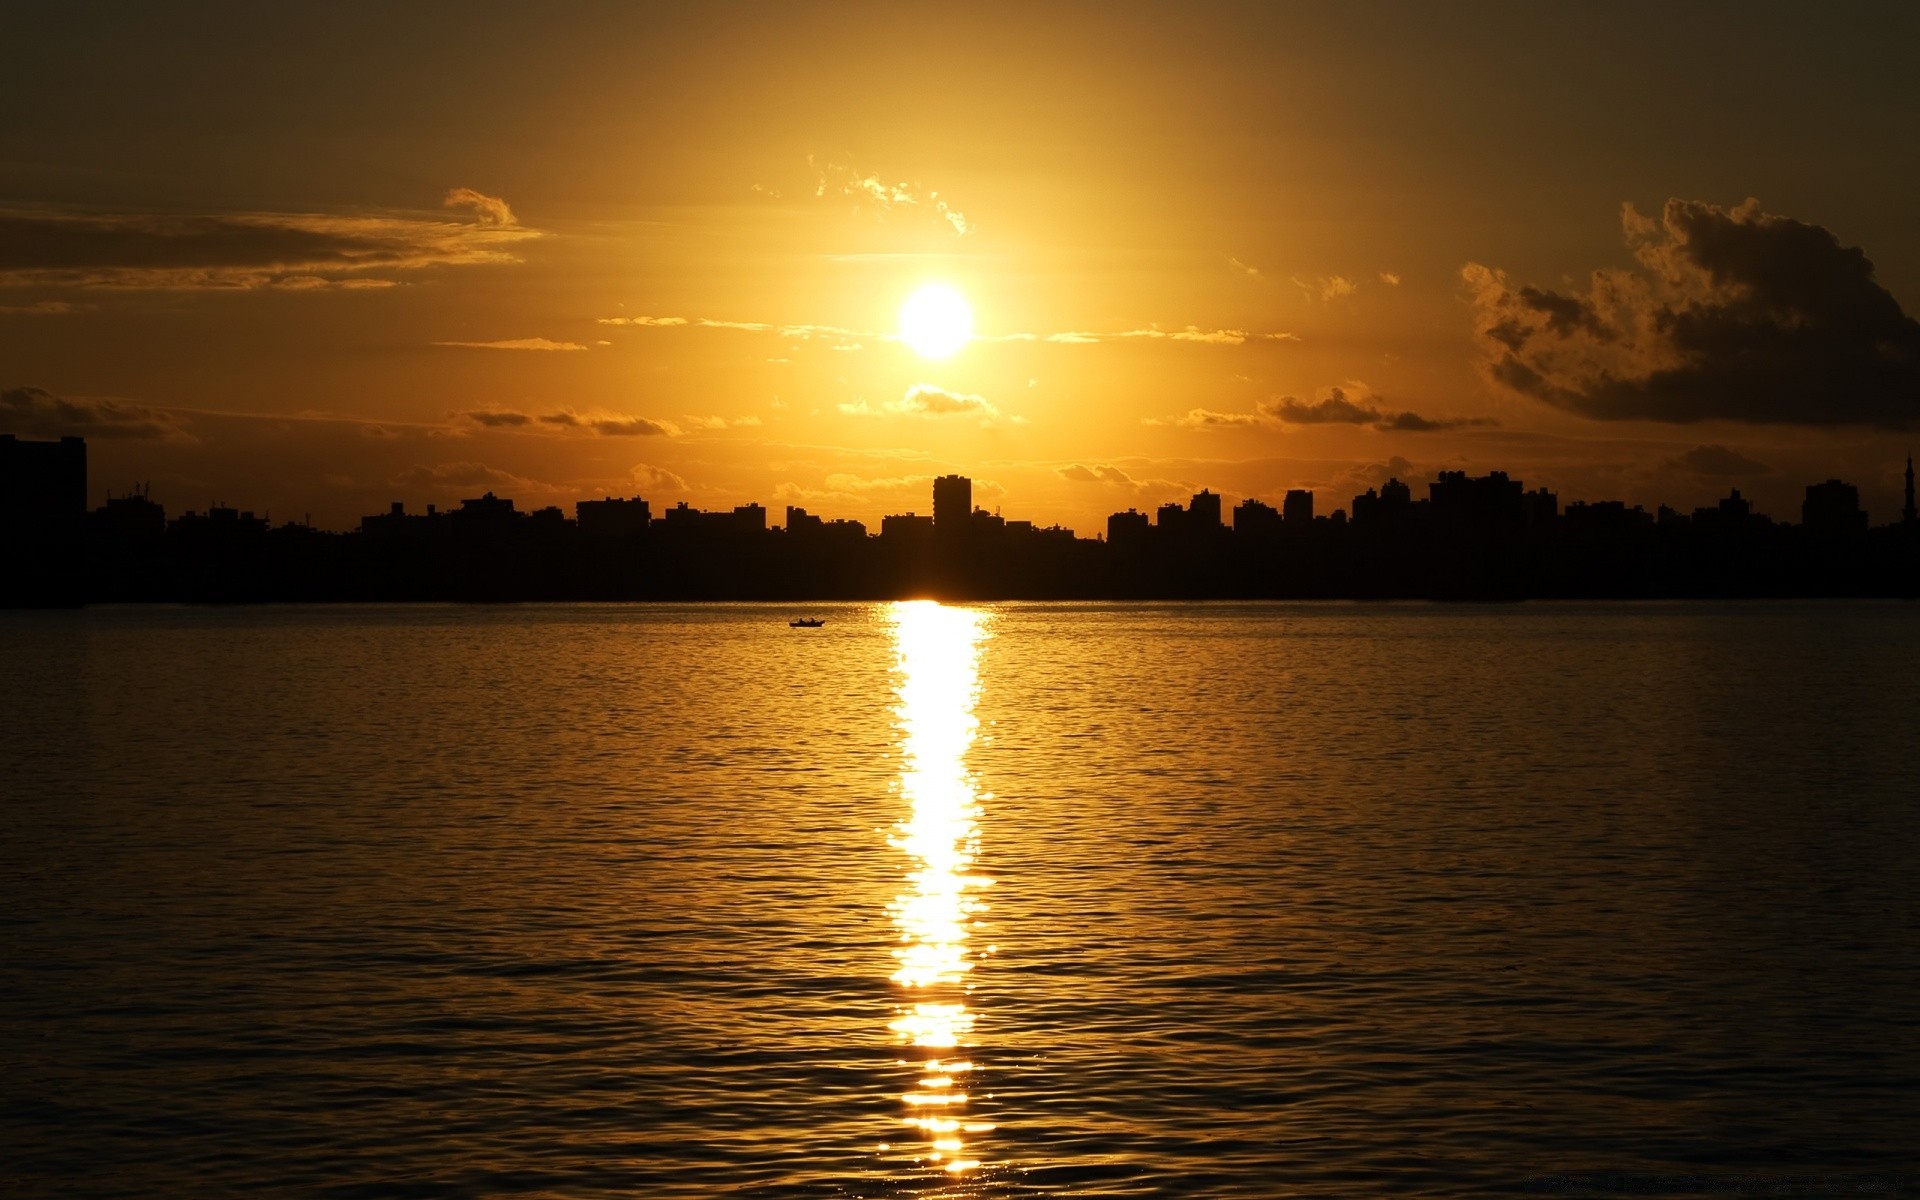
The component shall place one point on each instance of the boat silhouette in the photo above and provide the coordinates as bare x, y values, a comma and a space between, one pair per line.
807, 623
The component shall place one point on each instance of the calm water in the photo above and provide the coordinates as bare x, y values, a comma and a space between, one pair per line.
1019, 900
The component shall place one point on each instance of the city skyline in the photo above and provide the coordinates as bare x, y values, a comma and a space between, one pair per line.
827, 261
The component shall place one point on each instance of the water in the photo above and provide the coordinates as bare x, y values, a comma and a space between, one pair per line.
1021, 900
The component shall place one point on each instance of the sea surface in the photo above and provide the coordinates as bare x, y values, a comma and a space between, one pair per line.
1009, 900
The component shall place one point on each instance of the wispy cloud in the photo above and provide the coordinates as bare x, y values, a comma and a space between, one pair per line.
532, 343
844, 338
491, 210
1390, 279
1326, 287
563, 421
875, 193
42, 308
1250, 272
248, 250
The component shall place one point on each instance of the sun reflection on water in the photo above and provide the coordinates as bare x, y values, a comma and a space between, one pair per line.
938, 681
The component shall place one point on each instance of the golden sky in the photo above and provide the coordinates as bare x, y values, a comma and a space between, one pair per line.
315, 258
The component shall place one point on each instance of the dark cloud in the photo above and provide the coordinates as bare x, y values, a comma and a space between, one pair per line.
495, 419
566, 421
1333, 408
1411, 422
1719, 461
1351, 405
33, 412
43, 247
1731, 313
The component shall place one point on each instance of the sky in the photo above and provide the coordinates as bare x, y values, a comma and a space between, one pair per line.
311, 259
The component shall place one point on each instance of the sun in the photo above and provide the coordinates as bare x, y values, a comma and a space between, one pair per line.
936, 321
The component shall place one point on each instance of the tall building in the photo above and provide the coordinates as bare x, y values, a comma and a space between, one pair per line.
952, 503
1833, 507
1297, 508
43, 487
43, 520
1204, 512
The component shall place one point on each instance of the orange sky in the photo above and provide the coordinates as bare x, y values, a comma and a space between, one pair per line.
315, 261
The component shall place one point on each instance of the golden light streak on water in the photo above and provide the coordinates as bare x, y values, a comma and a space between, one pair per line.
937, 684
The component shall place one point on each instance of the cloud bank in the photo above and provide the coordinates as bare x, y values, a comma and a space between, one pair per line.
295, 251
1729, 314
35, 412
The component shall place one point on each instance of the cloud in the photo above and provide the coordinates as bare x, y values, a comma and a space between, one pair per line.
490, 210
533, 343
926, 400
1333, 408
1719, 462
842, 338
35, 412
1250, 272
1326, 287
609, 426
932, 401
1409, 422
1354, 404
294, 251
1390, 279
873, 193
1095, 474
496, 419
41, 308
722, 422
467, 476
1729, 314
648, 477
566, 421
1206, 418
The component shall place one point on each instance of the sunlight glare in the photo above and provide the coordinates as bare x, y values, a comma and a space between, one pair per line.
939, 654
936, 321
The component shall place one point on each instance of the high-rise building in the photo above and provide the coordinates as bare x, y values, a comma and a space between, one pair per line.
1833, 507
1297, 508
1204, 512
952, 503
43, 520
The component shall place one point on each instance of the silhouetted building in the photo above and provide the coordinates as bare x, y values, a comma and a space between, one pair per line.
612, 518
1255, 519
127, 519
743, 521
1833, 508
1128, 528
1490, 503
1907, 514
952, 503
1297, 508
1204, 511
1540, 508
43, 521
485, 511
906, 528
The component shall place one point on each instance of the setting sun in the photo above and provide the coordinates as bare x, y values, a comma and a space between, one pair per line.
936, 321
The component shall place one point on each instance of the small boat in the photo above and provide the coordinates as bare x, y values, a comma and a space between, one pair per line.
807, 623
